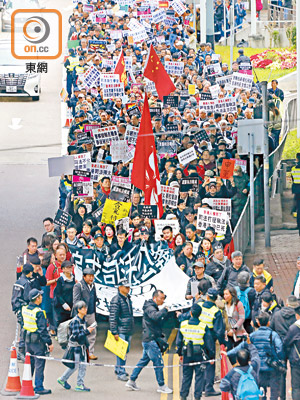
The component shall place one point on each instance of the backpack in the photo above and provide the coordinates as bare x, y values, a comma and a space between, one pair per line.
243, 297
247, 387
63, 333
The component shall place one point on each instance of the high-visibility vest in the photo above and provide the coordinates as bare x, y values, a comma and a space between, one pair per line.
207, 316
273, 305
79, 70
73, 62
29, 318
296, 175
194, 333
266, 274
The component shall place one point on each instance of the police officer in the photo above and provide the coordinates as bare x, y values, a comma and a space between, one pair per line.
37, 338
190, 345
296, 188
20, 298
70, 64
79, 69
212, 317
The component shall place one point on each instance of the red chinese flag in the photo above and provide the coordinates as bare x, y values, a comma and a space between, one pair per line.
156, 72
121, 70
145, 173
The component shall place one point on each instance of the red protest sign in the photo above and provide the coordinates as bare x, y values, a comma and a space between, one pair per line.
227, 169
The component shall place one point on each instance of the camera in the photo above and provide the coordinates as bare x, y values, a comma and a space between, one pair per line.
277, 365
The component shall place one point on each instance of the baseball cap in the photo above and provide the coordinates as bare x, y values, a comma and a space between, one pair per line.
98, 235
34, 293
27, 268
124, 282
212, 293
198, 264
211, 184
88, 271
66, 264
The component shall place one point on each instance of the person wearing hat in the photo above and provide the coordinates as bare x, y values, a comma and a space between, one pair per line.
230, 274
38, 279
291, 345
295, 172
63, 293
242, 58
77, 348
121, 323
37, 338
99, 247
212, 317
218, 262
85, 290
20, 298
190, 346
192, 285
79, 69
70, 64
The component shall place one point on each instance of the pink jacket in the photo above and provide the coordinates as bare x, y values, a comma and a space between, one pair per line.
238, 315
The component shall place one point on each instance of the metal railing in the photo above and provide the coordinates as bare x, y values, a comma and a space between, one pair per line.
241, 233
281, 15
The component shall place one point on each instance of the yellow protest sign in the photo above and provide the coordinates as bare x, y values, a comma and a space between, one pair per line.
192, 89
118, 347
114, 210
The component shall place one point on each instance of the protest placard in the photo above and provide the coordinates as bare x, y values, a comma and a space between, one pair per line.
158, 16
105, 135
131, 134
169, 196
107, 63
120, 193
109, 79
171, 128
242, 81
116, 34
240, 163
163, 4
98, 213
174, 68
62, 218
207, 105
226, 105
155, 112
192, 89
134, 24
95, 171
187, 156
90, 127
95, 45
171, 101
82, 161
134, 111
167, 147
161, 223
113, 90
128, 62
147, 211
82, 185
118, 150
201, 135
212, 69
105, 170
114, 210
245, 68
118, 347
58, 166
227, 169
219, 204
214, 90
189, 183
91, 76
129, 154
121, 181
178, 7
205, 96
216, 219
139, 35
63, 94
225, 80
122, 224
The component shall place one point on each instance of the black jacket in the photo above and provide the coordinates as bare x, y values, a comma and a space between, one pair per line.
291, 344
229, 277
284, 319
37, 281
63, 293
20, 293
215, 268
153, 320
121, 315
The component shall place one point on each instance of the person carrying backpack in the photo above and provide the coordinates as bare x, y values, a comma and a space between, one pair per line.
242, 381
246, 294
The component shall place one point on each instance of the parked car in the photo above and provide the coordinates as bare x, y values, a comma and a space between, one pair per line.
14, 80
9, 6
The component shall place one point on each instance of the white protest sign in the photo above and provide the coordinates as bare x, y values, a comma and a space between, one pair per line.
118, 150
212, 69
207, 105
187, 156
161, 223
128, 62
129, 153
105, 135
105, 170
174, 68
215, 57
242, 81
240, 163
131, 134
225, 80
91, 76
158, 16
122, 223
139, 35
219, 204
82, 161
178, 7
121, 181
115, 35
169, 196
134, 24
226, 105
214, 90
95, 171
109, 79
114, 90
107, 63
216, 219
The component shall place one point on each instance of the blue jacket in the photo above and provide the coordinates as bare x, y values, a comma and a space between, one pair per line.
230, 382
261, 340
